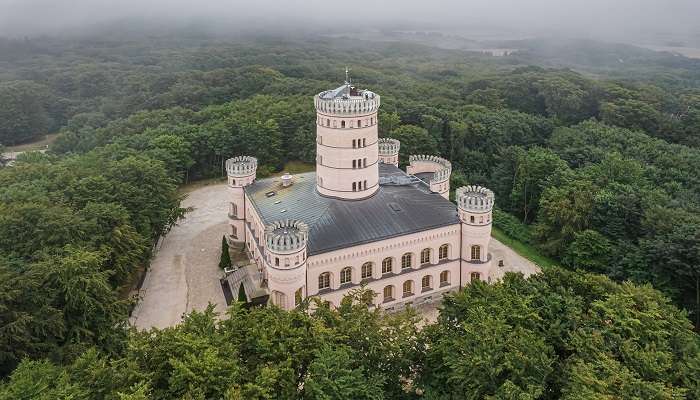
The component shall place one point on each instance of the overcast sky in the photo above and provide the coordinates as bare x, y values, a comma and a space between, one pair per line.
587, 18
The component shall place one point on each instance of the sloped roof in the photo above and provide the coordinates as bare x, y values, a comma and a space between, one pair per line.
401, 206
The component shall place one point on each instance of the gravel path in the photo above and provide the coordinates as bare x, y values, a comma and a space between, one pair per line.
184, 274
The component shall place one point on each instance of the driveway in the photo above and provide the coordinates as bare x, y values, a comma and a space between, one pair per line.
184, 274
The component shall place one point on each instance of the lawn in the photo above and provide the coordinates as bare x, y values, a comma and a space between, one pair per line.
526, 250
40, 144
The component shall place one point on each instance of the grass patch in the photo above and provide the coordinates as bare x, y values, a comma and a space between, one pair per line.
525, 250
39, 144
296, 167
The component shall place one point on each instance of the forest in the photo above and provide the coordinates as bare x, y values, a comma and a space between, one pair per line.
593, 164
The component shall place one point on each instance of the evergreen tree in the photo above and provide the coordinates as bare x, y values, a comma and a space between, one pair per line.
225, 256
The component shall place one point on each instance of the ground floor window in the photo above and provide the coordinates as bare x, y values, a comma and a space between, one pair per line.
388, 293
426, 283
444, 278
475, 276
408, 288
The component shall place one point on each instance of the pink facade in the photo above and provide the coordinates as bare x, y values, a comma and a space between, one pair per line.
409, 268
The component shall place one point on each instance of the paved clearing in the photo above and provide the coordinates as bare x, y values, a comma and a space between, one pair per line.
184, 274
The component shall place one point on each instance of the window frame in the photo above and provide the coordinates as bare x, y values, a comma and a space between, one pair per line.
404, 264
343, 278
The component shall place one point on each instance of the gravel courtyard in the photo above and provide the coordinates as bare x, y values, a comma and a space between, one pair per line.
184, 274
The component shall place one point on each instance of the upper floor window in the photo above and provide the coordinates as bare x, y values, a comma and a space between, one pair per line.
354, 186
442, 252
387, 265
425, 256
476, 252
366, 270
354, 164
406, 261
342, 124
359, 123
354, 143
328, 122
277, 261
346, 275
471, 219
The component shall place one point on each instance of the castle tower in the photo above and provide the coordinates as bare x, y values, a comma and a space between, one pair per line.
475, 205
389, 151
347, 151
435, 170
241, 172
285, 262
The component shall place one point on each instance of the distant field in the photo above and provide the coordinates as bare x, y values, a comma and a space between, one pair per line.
40, 144
690, 52
296, 167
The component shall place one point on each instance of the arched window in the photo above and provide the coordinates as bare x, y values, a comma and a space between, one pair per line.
444, 278
298, 296
387, 265
364, 185
388, 293
425, 256
476, 252
442, 252
471, 219
342, 124
371, 121
359, 123
233, 210
277, 261
278, 299
346, 275
426, 283
354, 143
324, 280
328, 122
364, 142
364, 162
354, 164
408, 288
354, 186
406, 261
366, 270
475, 276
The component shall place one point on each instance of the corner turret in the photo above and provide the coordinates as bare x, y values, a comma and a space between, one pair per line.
285, 262
475, 206
435, 171
241, 172
389, 151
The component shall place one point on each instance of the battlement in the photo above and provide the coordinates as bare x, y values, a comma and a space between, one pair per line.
347, 101
241, 166
286, 236
475, 198
441, 168
389, 147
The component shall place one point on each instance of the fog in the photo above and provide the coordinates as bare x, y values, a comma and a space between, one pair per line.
602, 19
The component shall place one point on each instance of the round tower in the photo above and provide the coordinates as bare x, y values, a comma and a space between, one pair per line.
347, 150
475, 206
435, 170
285, 262
241, 172
389, 151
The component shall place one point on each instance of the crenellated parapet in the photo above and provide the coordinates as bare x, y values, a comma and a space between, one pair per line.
241, 166
389, 151
473, 198
365, 102
440, 168
286, 236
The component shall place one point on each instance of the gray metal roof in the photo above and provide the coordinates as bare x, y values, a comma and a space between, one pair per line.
401, 206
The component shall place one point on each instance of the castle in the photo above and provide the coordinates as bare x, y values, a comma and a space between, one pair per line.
358, 219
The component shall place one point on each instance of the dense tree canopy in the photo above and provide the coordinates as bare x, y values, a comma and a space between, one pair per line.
598, 172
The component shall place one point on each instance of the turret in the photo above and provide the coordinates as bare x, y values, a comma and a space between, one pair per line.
285, 262
440, 169
475, 206
241, 172
347, 151
389, 151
